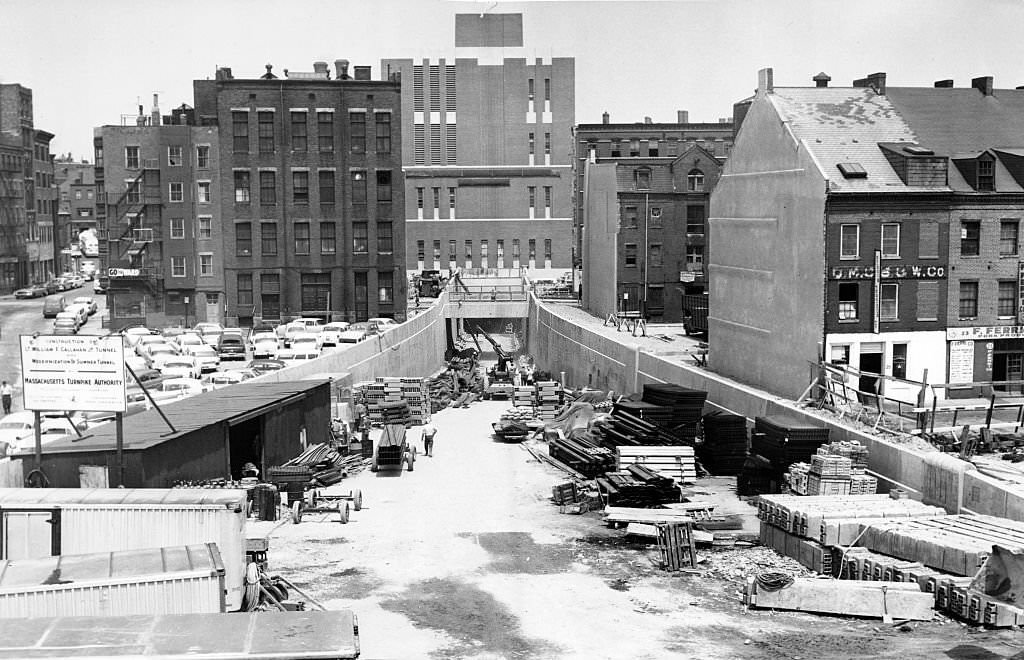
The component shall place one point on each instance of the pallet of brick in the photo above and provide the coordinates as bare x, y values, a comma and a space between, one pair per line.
834, 520
724, 446
796, 478
675, 461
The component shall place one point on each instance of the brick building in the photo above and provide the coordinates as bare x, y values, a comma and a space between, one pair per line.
159, 219
654, 228
881, 229
313, 193
28, 206
76, 210
487, 171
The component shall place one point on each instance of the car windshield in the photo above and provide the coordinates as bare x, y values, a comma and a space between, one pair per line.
203, 350
175, 364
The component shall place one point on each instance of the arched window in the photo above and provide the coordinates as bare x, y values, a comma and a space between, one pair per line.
695, 181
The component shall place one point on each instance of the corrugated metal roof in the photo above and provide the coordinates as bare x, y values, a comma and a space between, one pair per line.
226, 497
147, 429
845, 125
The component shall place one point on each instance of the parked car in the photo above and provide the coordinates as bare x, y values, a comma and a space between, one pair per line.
223, 379
81, 311
303, 354
53, 286
144, 341
158, 354
265, 366
378, 325
99, 285
231, 346
17, 430
69, 314
177, 388
65, 326
53, 306
188, 339
293, 330
331, 332
180, 366
172, 332
90, 304
265, 346
33, 291
210, 332
133, 334
306, 344
206, 356
355, 333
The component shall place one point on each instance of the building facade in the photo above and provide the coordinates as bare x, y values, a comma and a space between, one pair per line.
313, 193
664, 175
487, 155
159, 219
76, 211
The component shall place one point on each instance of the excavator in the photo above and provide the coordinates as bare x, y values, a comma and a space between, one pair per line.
499, 376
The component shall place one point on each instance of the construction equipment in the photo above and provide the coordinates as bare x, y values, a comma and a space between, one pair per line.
393, 450
499, 377
314, 501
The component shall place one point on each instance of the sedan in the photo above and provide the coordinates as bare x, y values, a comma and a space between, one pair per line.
265, 347
180, 366
188, 339
223, 379
90, 304
65, 326
356, 333
158, 355
331, 333
34, 291
265, 366
205, 356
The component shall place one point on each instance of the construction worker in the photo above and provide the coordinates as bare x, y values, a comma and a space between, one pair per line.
428, 439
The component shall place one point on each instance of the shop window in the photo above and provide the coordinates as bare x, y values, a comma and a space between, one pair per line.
899, 360
840, 355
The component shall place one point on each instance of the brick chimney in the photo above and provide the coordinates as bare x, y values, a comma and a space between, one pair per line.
983, 85
765, 80
155, 112
321, 68
944, 84
821, 80
647, 120
682, 116
875, 81
605, 118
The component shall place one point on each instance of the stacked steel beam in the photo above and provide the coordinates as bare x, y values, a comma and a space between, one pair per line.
637, 486
725, 443
587, 458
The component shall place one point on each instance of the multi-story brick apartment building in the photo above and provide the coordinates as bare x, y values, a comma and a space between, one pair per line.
652, 223
313, 197
880, 229
76, 209
27, 194
487, 166
159, 219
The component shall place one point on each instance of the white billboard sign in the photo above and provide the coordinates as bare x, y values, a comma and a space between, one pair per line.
73, 373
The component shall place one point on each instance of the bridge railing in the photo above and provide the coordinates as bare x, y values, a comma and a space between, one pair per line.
507, 293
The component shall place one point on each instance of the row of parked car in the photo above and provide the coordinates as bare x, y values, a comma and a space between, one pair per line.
70, 319
65, 282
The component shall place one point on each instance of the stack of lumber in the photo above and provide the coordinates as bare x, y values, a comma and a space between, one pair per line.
678, 512
582, 456
648, 412
319, 465
725, 443
685, 407
673, 461
522, 397
637, 486
549, 399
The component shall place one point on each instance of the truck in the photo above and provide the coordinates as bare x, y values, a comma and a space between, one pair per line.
88, 268
695, 313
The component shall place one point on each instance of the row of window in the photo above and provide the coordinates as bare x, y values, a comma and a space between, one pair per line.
499, 254
175, 156
300, 185
928, 242
204, 227
531, 91
299, 131
927, 300
315, 290
656, 256
695, 218
179, 265
327, 237
694, 179
620, 148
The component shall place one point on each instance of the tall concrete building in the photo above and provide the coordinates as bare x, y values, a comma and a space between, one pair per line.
158, 219
313, 195
487, 164
28, 207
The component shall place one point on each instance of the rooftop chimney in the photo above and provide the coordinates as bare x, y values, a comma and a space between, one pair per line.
605, 118
224, 73
363, 72
155, 112
875, 81
682, 116
765, 82
269, 74
647, 120
821, 80
983, 85
341, 69
141, 119
321, 67
945, 84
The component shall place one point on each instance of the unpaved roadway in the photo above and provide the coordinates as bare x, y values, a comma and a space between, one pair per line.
466, 557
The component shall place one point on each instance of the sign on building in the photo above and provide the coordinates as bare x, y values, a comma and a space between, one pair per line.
73, 373
961, 361
123, 272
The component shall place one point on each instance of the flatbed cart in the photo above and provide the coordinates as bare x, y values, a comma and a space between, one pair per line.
314, 501
393, 450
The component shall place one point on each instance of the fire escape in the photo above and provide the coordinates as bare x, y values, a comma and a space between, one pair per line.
130, 230
12, 221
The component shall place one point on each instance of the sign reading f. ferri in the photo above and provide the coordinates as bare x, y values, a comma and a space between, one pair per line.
73, 373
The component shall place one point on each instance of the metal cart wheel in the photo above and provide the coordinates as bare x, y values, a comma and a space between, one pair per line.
357, 499
297, 512
343, 512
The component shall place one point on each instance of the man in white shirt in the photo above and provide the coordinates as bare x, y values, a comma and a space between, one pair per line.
428, 439
6, 394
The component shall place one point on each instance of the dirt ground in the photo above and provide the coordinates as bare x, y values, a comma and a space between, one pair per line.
466, 557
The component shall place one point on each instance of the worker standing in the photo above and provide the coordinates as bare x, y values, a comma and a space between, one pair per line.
428, 439
7, 393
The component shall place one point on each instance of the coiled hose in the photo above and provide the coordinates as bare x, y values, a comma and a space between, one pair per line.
773, 581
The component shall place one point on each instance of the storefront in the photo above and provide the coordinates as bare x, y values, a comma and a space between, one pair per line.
905, 355
987, 353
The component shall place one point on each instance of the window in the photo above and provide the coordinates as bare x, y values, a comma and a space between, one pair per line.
899, 360
359, 187
968, 300
451, 252
242, 185
419, 202
630, 255
1008, 230
421, 251
383, 185
357, 132
695, 181
177, 228
547, 145
270, 295
469, 254
547, 201
205, 226
134, 192
174, 156
928, 239
694, 219
890, 240
131, 158
547, 89
849, 293
240, 132
316, 292
299, 131
383, 121
385, 287
849, 241
451, 202
203, 192
328, 238
177, 266
300, 187
265, 131
176, 192
362, 295
986, 174
515, 253
206, 264
532, 250
245, 289
652, 147
695, 258
384, 242
654, 254
243, 239
642, 178
616, 149
529, 89
326, 180
499, 253
268, 239
484, 253
360, 239
301, 230
970, 238
927, 301
629, 217
656, 297
437, 200
531, 144
634, 148
1007, 298
325, 131
532, 191
203, 156
268, 187
888, 302
655, 222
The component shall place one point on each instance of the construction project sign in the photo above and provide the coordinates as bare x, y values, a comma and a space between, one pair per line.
73, 373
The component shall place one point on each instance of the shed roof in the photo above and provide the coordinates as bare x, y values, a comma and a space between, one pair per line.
228, 498
231, 404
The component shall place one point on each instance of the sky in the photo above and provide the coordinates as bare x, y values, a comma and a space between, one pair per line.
90, 61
